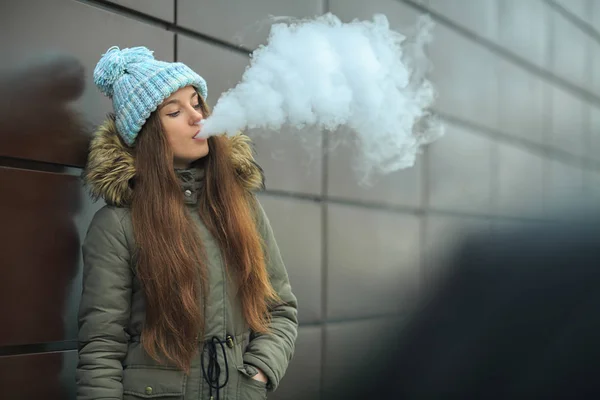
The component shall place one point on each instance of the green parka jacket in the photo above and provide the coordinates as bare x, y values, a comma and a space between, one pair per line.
112, 363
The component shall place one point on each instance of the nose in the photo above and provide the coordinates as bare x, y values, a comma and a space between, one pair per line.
196, 117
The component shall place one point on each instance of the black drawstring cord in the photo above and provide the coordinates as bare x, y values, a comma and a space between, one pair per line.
213, 372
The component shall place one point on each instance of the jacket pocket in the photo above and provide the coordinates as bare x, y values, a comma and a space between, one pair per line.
249, 388
145, 382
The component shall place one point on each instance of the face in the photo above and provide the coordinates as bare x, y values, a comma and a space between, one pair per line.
180, 115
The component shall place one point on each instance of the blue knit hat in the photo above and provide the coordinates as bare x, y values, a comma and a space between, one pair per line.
137, 84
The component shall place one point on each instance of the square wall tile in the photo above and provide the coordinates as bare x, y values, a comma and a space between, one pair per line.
521, 107
595, 67
478, 16
595, 50
569, 127
465, 74
292, 159
401, 188
520, 182
163, 9
460, 171
297, 228
302, 379
592, 185
373, 261
245, 23
564, 187
590, 199
570, 49
594, 124
523, 29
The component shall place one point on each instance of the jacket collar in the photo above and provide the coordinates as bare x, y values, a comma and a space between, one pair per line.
192, 181
110, 168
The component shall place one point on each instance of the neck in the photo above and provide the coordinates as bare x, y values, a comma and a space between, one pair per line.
181, 165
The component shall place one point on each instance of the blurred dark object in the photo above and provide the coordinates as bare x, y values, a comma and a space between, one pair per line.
516, 317
36, 121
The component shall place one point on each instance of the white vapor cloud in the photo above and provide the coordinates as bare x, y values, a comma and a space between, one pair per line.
323, 73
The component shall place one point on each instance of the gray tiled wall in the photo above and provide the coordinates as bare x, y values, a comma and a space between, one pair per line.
519, 90
302, 251
373, 257
519, 84
519, 171
244, 23
353, 346
162, 9
524, 30
401, 188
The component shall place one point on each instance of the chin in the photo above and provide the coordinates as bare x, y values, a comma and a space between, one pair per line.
200, 154
191, 155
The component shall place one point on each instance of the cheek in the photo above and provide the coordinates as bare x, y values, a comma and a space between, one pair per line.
172, 132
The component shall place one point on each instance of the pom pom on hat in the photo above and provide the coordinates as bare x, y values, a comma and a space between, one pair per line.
113, 66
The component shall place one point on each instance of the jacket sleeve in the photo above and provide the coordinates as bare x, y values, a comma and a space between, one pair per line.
104, 309
272, 352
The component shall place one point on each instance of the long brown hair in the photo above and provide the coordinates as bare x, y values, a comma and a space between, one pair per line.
171, 262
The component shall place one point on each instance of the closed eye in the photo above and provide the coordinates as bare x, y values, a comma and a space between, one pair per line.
173, 115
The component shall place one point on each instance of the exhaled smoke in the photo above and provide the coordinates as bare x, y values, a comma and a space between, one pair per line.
325, 74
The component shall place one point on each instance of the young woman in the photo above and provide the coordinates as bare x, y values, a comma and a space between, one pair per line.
185, 295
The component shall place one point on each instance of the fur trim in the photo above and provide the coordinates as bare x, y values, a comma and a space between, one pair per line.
111, 167
248, 171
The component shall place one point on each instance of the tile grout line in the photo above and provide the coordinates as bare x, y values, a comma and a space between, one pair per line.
38, 348
37, 166
324, 243
324, 251
548, 107
417, 211
495, 150
175, 34
581, 24
424, 204
587, 112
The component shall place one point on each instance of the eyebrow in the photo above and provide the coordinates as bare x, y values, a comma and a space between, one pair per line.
177, 101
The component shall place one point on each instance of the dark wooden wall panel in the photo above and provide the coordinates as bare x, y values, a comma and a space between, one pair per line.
45, 376
47, 146
40, 251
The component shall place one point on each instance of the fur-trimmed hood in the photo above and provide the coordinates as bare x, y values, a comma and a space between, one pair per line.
110, 166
